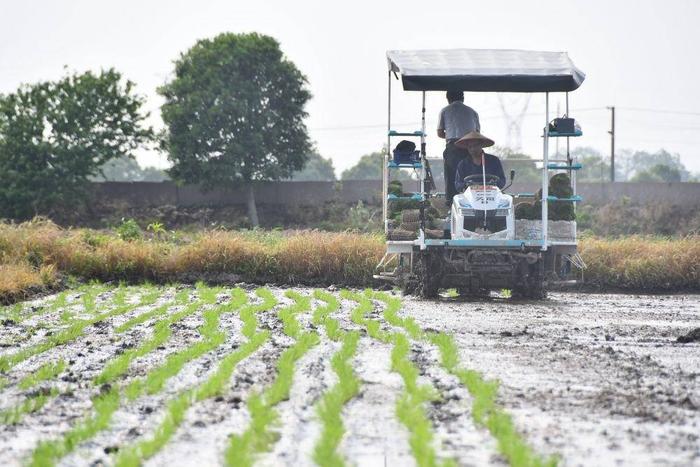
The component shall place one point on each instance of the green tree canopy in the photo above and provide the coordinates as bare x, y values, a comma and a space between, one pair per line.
525, 171
369, 167
235, 114
633, 163
55, 135
595, 166
316, 168
658, 173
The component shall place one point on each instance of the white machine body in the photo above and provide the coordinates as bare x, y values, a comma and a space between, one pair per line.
482, 213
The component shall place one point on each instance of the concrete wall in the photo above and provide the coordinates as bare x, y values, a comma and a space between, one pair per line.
140, 194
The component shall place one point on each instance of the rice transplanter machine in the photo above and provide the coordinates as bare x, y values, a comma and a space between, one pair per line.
483, 247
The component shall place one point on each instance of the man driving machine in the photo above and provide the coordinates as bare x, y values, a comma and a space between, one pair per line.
478, 161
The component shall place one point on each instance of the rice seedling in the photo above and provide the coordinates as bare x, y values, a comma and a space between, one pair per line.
485, 410
214, 385
109, 398
45, 372
161, 334
332, 402
321, 316
47, 452
258, 436
36, 399
32, 403
410, 405
180, 299
330, 407
393, 306
72, 332
13, 313
212, 337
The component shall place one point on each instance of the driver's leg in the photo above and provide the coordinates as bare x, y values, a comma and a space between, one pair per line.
451, 157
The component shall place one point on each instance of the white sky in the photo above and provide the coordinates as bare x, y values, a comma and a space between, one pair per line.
636, 54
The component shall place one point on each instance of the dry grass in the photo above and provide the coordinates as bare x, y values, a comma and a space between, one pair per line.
31, 255
643, 263
19, 281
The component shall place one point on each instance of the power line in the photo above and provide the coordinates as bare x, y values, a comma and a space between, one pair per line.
659, 111
417, 122
659, 126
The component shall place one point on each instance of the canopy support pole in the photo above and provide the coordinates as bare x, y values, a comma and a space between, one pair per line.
385, 165
545, 177
421, 230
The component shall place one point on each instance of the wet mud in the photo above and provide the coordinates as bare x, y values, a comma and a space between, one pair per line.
592, 379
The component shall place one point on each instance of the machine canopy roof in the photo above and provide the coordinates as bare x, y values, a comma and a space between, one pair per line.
485, 70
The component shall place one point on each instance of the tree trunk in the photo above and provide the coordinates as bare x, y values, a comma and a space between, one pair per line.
252, 210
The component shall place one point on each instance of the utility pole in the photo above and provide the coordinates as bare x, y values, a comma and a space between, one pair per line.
612, 143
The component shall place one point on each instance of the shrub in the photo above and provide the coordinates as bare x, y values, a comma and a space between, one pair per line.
129, 230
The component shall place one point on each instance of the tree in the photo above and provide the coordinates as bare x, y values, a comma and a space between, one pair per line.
126, 169
658, 173
55, 135
235, 114
594, 167
637, 162
525, 171
369, 167
316, 168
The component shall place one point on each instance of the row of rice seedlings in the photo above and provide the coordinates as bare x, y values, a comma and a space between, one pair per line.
410, 405
258, 437
45, 372
213, 386
161, 334
34, 402
212, 337
485, 411
12, 313
88, 300
72, 332
37, 398
321, 315
391, 314
330, 408
16, 313
109, 399
357, 315
180, 298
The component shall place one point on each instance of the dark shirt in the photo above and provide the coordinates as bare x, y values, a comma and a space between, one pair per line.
467, 167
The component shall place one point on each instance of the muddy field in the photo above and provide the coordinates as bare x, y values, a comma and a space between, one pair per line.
213, 376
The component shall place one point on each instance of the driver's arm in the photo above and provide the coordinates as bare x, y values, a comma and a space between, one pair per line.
499, 171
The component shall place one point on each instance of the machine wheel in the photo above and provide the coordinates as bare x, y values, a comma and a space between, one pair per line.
533, 292
428, 276
533, 282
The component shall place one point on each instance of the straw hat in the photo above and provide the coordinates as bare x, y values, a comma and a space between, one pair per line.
474, 136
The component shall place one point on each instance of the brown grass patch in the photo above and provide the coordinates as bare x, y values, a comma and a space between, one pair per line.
31, 255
